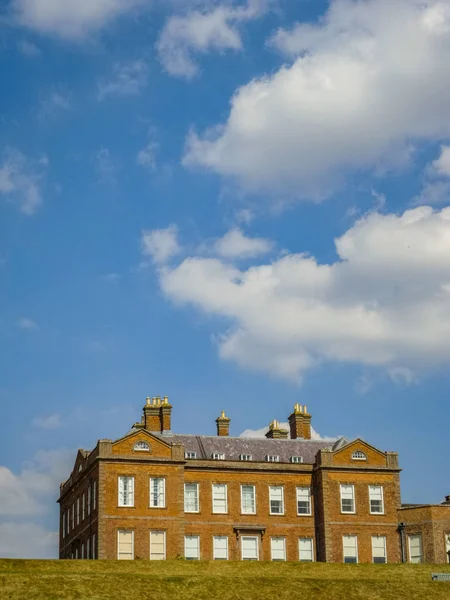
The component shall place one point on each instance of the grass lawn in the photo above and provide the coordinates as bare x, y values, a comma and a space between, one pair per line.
182, 580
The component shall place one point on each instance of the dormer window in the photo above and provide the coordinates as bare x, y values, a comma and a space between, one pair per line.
245, 457
296, 459
190, 455
359, 455
272, 458
218, 456
142, 446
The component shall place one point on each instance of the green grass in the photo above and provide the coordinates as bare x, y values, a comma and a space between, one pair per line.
181, 580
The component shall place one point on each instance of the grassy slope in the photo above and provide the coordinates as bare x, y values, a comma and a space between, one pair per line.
180, 580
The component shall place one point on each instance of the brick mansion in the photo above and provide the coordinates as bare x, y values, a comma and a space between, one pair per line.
154, 494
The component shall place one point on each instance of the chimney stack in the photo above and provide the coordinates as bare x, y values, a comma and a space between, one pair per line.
275, 432
223, 425
157, 414
165, 415
300, 423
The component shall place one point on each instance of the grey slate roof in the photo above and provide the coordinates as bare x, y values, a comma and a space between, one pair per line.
205, 445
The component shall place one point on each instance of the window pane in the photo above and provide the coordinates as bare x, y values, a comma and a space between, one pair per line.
191, 497
347, 498
219, 493
249, 546
379, 549
125, 545
220, 548
157, 492
350, 548
278, 548
192, 547
126, 491
304, 501
157, 545
248, 499
305, 549
415, 548
376, 498
276, 500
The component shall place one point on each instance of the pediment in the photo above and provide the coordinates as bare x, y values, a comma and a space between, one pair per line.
141, 444
359, 453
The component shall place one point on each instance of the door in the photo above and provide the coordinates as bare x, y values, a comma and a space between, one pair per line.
415, 548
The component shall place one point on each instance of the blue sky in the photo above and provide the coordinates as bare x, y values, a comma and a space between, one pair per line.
240, 205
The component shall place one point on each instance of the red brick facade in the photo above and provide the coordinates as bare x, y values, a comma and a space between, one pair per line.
279, 527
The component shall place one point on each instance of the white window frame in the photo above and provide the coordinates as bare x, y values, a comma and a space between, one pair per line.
379, 537
189, 483
355, 537
359, 455
218, 456
217, 510
419, 537
447, 546
159, 493
123, 504
376, 512
132, 543
89, 497
246, 512
215, 550
272, 458
300, 550
141, 446
348, 485
272, 549
159, 531
299, 498
190, 454
197, 537
272, 488
248, 537
246, 457
83, 507
78, 510
296, 459
94, 494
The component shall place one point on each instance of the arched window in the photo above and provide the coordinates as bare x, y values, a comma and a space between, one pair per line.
359, 455
142, 446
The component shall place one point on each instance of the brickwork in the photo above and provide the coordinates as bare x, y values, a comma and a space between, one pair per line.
143, 455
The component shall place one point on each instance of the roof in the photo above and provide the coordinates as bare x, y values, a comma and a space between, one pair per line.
206, 445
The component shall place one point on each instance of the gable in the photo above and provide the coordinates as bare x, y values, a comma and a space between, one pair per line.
141, 444
353, 452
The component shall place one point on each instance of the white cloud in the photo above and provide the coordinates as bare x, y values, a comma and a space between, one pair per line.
234, 244
146, 157
360, 88
50, 422
111, 277
28, 49
29, 493
363, 385
20, 180
261, 433
441, 166
70, 19
201, 32
160, 244
128, 79
385, 303
56, 101
27, 324
27, 540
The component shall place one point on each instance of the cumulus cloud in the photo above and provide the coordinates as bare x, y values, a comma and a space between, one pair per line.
160, 244
203, 31
20, 179
359, 89
68, 18
436, 185
261, 433
385, 303
146, 157
27, 499
128, 79
27, 540
234, 244
441, 166
50, 422
27, 324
